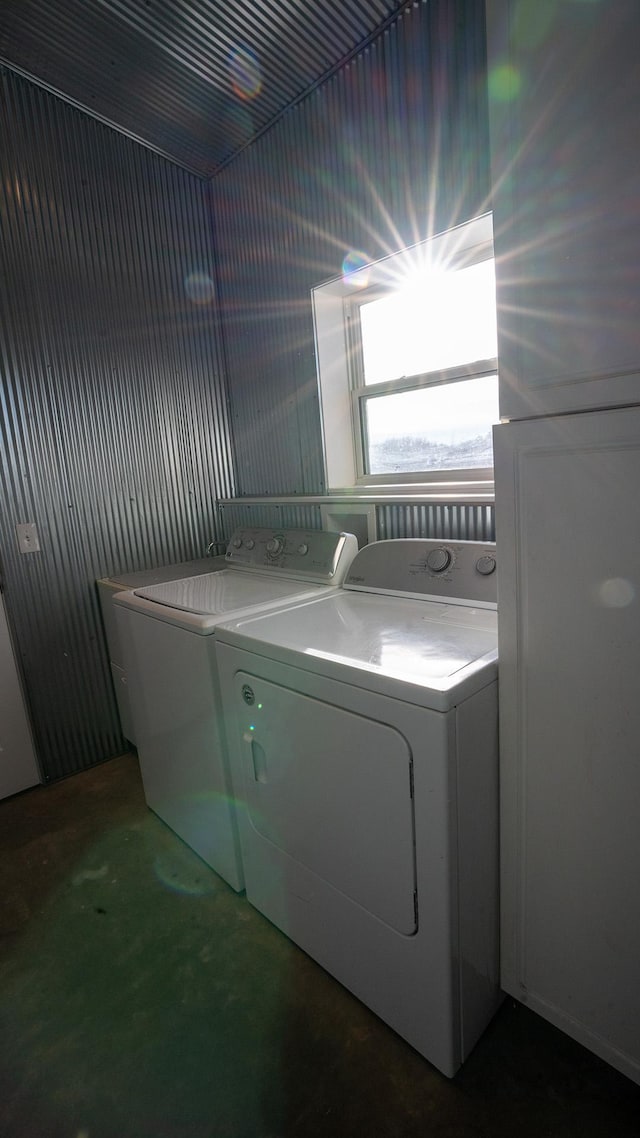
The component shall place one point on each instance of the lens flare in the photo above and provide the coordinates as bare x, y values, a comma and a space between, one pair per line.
505, 83
185, 879
356, 262
244, 72
199, 288
177, 867
617, 593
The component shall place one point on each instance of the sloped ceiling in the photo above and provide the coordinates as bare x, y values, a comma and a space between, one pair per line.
196, 80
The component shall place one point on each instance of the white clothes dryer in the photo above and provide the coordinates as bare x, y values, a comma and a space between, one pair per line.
167, 633
362, 734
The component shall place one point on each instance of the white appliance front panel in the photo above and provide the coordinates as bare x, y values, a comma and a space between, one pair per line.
570, 724
108, 587
349, 822
438, 986
170, 663
18, 764
427, 651
174, 694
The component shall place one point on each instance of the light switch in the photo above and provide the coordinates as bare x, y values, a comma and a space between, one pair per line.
28, 541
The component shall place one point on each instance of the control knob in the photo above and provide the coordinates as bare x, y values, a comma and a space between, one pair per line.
250, 543
438, 560
237, 542
275, 545
486, 564
303, 548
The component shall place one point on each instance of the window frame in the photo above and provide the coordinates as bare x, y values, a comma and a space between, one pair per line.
343, 392
360, 396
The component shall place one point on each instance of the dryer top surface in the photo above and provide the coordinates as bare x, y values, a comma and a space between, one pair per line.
395, 645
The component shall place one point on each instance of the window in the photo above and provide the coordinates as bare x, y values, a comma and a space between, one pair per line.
406, 353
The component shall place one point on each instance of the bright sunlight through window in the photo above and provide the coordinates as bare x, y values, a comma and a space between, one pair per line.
407, 355
435, 322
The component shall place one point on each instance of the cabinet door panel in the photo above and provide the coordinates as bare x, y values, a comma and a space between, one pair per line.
570, 724
564, 91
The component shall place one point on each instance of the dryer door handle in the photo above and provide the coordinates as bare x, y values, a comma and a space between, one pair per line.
259, 760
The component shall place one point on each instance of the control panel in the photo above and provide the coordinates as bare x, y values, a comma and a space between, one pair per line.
315, 555
461, 572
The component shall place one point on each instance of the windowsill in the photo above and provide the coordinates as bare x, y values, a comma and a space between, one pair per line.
459, 492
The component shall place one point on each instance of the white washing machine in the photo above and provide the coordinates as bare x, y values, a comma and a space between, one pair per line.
167, 633
107, 589
362, 735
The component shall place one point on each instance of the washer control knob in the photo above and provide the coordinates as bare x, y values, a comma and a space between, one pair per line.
486, 564
438, 560
303, 548
249, 543
237, 542
275, 545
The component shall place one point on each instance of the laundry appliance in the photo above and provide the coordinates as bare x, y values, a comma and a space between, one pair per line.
107, 588
362, 735
167, 633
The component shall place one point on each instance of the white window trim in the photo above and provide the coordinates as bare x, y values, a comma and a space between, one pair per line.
338, 403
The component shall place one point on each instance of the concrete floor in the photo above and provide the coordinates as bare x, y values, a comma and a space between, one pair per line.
139, 996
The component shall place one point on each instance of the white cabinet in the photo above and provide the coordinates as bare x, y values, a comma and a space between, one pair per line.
569, 633
564, 96
18, 765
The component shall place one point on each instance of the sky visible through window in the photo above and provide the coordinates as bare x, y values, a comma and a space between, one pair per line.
447, 427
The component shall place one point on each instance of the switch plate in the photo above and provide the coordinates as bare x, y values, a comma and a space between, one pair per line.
28, 541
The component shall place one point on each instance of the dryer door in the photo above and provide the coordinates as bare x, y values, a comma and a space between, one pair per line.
332, 791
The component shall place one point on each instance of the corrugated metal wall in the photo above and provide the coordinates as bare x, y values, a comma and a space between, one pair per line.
391, 149
453, 521
269, 514
113, 421
196, 79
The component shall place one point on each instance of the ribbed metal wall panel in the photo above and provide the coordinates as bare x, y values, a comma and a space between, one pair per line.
271, 515
113, 418
450, 521
390, 150
455, 522
164, 71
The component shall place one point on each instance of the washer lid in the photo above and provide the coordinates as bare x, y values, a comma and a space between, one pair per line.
200, 603
427, 652
221, 593
142, 577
